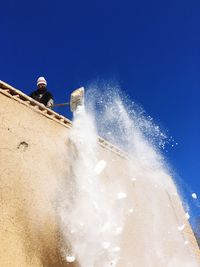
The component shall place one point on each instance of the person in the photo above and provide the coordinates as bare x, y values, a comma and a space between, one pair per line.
42, 95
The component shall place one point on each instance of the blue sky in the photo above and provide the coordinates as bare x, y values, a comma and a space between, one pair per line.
151, 48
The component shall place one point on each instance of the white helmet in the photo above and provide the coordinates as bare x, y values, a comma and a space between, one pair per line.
41, 80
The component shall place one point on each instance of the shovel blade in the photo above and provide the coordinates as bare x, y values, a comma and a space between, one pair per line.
77, 98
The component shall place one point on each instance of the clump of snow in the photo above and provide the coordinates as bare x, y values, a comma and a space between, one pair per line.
116, 249
118, 230
100, 167
70, 258
194, 195
81, 224
187, 215
180, 228
133, 179
105, 227
121, 195
106, 245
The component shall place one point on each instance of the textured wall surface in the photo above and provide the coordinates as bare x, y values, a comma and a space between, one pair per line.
34, 166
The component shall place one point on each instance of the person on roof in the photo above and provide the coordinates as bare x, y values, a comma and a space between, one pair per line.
41, 94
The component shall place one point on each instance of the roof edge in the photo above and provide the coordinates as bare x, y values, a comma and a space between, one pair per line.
19, 96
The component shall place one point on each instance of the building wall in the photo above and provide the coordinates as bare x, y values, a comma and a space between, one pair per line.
34, 166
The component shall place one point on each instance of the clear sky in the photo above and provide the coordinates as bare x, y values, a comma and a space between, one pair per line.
151, 48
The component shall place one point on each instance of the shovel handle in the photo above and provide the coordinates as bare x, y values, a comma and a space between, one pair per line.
62, 104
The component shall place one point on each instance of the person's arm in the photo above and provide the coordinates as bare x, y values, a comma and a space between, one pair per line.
32, 94
50, 103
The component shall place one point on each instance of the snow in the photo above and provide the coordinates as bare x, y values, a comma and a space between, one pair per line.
70, 258
194, 195
180, 228
113, 263
187, 215
121, 195
116, 249
105, 227
118, 230
130, 210
106, 245
100, 167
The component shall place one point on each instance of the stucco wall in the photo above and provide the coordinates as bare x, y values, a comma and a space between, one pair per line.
34, 165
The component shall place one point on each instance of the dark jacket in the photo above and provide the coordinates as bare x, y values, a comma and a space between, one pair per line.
42, 96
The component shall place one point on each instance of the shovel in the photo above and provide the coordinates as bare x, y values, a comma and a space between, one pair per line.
76, 99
